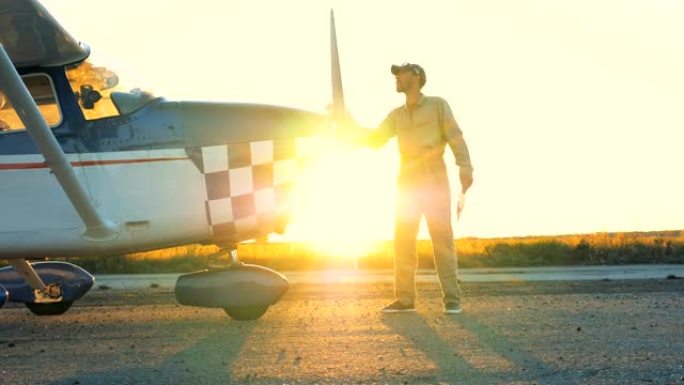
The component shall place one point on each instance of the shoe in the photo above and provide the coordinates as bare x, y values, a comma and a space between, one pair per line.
452, 309
398, 307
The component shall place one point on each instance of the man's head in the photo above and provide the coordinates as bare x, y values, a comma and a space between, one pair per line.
409, 76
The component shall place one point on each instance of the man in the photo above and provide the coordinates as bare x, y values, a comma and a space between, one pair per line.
423, 126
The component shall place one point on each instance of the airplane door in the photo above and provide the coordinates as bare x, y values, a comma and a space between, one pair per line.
31, 199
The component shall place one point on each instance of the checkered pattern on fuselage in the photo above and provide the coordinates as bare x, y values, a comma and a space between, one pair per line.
249, 185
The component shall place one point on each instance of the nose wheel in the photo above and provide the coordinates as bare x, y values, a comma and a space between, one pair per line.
245, 313
244, 291
55, 308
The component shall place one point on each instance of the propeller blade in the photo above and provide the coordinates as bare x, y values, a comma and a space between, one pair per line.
338, 109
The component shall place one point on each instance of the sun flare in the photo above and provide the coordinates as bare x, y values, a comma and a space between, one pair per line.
345, 202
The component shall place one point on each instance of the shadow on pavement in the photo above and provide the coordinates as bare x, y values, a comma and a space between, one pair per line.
208, 361
450, 364
450, 357
499, 345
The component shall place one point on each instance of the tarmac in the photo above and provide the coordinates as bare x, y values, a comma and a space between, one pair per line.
589, 325
527, 274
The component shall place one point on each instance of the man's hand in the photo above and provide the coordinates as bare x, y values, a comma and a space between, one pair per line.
466, 179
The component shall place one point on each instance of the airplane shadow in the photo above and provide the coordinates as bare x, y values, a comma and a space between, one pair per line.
209, 360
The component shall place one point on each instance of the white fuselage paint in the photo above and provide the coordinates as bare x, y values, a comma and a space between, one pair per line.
157, 198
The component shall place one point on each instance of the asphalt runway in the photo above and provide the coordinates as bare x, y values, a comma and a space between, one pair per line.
605, 331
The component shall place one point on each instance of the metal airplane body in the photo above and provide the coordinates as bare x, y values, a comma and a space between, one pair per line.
96, 171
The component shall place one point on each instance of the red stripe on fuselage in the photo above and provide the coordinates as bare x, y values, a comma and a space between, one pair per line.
87, 163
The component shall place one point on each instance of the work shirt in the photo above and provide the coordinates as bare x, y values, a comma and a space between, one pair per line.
422, 134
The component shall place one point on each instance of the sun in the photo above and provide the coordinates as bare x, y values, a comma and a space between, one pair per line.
345, 202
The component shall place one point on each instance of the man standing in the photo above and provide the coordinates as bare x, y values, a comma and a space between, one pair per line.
423, 126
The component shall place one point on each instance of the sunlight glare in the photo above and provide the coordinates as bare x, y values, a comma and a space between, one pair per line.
346, 202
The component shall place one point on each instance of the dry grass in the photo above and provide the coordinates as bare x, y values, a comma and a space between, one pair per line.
581, 249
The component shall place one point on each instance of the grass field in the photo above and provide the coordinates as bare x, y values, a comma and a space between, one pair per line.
581, 249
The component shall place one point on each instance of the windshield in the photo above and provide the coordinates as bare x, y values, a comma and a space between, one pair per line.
93, 82
32, 37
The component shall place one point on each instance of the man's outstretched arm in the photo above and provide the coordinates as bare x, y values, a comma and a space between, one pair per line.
360, 136
454, 136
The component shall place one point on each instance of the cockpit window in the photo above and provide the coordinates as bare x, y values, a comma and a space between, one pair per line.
43, 92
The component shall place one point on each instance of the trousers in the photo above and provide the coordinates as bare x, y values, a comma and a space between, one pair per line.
430, 197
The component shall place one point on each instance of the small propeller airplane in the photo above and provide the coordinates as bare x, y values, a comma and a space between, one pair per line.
88, 169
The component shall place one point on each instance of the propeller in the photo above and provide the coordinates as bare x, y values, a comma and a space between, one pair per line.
338, 110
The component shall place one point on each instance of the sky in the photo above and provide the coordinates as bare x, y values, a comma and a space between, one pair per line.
571, 108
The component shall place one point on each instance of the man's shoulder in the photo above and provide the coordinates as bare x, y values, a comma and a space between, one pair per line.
395, 110
436, 100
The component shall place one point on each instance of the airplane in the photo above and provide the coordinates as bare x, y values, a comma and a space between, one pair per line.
87, 169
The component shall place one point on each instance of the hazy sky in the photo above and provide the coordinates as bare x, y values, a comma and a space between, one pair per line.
572, 108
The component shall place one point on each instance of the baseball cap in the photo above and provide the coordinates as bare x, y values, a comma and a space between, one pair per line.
414, 68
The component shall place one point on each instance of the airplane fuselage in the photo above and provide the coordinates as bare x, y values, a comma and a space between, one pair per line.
167, 173
90, 168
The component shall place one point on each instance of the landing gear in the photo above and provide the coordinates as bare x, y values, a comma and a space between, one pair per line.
3, 295
224, 258
245, 313
46, 288
56, 308
244, 292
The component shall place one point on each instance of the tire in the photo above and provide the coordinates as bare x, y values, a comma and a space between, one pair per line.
56, 308
246, 313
